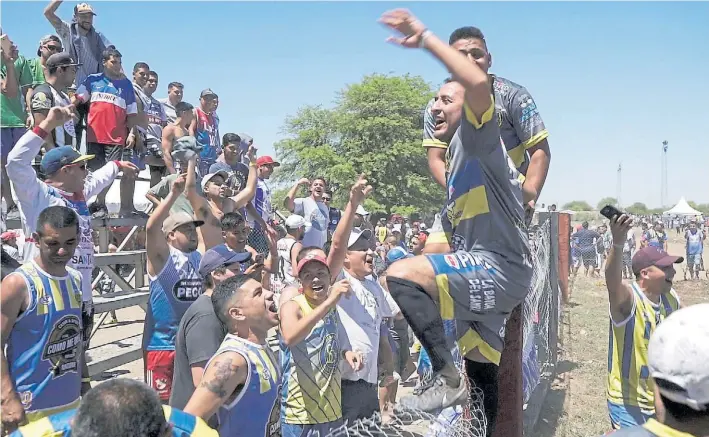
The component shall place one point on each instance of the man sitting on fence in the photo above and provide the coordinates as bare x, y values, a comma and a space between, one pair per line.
635, 311
489, 272
41, 326
67, 183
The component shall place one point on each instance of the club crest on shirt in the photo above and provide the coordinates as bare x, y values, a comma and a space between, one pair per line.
62, 348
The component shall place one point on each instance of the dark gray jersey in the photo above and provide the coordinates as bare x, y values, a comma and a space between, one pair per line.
484, 209
520, 124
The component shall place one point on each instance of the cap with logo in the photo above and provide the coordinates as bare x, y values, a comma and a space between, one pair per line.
311, 258
397, 253
361, 211
207, 93
220, 256
267, 160
209, 177
174, 221
678, 354
61, 60
650, 256
356, 234
58, 157
294, 221
84, 8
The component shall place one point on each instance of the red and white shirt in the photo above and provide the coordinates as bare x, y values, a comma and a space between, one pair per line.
112, 101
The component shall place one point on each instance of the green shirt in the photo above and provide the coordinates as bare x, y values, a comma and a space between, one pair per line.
12, 111
36, 71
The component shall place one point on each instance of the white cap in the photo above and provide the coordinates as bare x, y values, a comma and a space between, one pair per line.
679, 352
361, 210
294, 221
209, 177
356, 234
422, 226
397, 227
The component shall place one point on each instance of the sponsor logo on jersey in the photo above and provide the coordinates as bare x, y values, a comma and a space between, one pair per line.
62, 348
187, 289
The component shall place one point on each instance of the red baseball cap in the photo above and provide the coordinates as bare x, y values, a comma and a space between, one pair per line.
267, 160
650, 256
311, 258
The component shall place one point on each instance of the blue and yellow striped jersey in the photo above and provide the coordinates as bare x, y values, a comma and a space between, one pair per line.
311, 392
629, 381
45, 347
59, 425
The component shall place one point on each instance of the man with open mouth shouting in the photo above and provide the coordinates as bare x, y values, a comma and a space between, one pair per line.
241, 382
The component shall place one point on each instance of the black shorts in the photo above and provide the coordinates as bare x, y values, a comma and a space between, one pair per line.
159, 170
103, 153
360, 400
590, 259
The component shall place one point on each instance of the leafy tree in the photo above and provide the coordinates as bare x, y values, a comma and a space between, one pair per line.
578, 205
637, 208
702, 207
372, 129
607, 201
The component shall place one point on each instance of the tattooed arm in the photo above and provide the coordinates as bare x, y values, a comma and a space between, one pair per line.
224, 374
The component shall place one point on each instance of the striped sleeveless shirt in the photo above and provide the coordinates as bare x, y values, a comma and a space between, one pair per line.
254, 411
629, 381
311, 392
45, 347
172, 291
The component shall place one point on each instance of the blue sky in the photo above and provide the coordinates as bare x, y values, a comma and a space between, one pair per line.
612, 80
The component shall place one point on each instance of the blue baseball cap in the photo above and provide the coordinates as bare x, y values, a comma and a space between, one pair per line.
397, 253
220, 256
58, 157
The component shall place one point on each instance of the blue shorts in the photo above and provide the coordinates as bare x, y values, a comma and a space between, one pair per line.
315, 430
694, 260
479, 290
9, 136
625, 416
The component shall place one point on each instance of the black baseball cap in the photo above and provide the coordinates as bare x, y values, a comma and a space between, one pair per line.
220, 256
61, 60
207, 93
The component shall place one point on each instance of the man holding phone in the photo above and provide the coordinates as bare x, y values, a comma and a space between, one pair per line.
635, 311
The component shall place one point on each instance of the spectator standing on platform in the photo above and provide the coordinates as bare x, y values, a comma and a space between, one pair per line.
231, 161
9, 244
635, 312
312, 208
289, 247
15, 75
201, 333
174, 96
80, 38
61, 70
48, 45
68, 184
112, 115
205, 128
173, 132
137, 135
262, 205
157, 120
40, 310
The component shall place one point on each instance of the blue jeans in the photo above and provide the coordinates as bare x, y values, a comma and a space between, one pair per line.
315, 430
625, 416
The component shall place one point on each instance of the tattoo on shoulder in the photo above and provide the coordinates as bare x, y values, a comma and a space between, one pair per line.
223, 370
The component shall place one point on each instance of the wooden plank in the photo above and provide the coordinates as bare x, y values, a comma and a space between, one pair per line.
115, 354
122, 299
132, 257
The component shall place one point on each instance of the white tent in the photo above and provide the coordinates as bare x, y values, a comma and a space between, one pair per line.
682, 208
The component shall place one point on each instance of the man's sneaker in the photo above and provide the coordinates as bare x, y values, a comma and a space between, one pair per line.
435, 395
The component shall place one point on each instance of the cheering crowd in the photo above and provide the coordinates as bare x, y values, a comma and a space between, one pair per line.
339, 293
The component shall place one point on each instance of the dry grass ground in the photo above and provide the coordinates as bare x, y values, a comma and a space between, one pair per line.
576, 404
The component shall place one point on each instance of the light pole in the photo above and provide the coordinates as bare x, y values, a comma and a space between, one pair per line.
663, 188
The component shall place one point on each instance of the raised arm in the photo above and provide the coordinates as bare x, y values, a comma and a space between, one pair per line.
156, 244
338, 250
50, 12
223, 375
469, 74
10, 86
211, 231
619, 294
13, 299
289, 201
244, 196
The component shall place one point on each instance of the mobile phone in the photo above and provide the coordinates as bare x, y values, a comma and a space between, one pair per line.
609, 211
6, 44
259, 259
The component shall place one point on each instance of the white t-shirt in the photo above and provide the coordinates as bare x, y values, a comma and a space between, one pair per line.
629, 239
317, 218
361, 317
